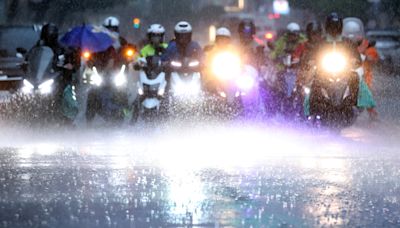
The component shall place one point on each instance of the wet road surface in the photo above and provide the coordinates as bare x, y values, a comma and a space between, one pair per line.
226, 176
261, 174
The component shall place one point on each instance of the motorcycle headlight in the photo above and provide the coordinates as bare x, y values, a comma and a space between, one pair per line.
176, 64
95, 78
245, 82
28, 87
140, 91
45, 87
161, 92
194, 63
226, 65
334, 62
120, 78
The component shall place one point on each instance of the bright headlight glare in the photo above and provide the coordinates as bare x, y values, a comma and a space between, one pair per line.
46, 86
161, 92
176, 64
334, 62
226, 65
194, 63
28, 87
245, 82
120, 78
95, 78
140, 91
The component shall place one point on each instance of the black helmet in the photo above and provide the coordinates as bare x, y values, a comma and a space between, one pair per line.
246, 29
313, 29
49, 34
334, 24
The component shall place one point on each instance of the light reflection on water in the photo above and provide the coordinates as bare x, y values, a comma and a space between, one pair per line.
246, 176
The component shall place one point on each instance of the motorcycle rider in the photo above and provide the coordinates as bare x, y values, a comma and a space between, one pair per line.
287, 43
223, 42
111, 27
354, 32
284, 48
182, 45
65, 60
111, 24
334, 38
251, 52
156, 44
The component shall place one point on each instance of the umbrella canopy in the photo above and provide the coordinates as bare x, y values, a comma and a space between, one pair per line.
87, 38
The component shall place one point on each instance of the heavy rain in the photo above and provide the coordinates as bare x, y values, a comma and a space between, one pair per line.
212, 113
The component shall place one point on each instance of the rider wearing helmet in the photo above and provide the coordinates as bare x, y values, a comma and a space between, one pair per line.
250, 50
359, 91
111, 24
65, 59
223, 42
223, 39
182, 45
156, 44
353, 29
287, 43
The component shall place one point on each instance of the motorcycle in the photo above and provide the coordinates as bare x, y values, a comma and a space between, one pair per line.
151, 87
233, 83
333, 92
107, 96
43, 92
185, 91
290, 94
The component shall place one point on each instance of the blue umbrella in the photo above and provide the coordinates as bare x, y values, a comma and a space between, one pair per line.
87, 38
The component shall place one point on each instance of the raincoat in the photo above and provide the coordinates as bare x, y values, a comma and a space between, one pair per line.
149, 50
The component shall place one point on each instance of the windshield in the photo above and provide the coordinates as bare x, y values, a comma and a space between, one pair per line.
40, 61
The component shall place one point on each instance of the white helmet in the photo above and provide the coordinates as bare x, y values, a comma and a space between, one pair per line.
111, 22
353, 29
223, 32
293, 27
155, 34
156, 29
183, 27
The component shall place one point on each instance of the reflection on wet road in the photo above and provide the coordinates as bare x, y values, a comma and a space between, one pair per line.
236, 176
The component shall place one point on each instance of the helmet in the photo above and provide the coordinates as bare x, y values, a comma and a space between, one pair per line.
156, 29
223, 36
155, 34
246, 29
183, 33
313, 29
183, 27
353, 29
334, 24
223, 32
293, 27
111, 23
49, 34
